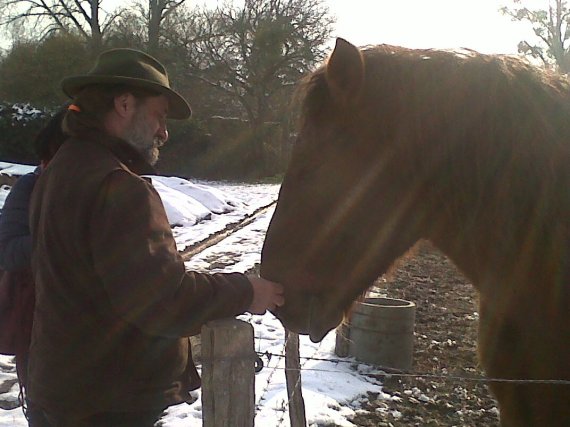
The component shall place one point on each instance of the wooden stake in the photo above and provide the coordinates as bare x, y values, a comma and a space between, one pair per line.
293, 377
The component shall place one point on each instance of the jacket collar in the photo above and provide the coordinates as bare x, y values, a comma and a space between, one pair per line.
122, 150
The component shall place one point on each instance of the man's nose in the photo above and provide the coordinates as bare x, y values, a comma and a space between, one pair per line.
162, 134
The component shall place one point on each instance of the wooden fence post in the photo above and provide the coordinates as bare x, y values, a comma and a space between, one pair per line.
228, 374
293, 379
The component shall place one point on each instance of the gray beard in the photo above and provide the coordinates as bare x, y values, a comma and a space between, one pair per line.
149, 154
138, 139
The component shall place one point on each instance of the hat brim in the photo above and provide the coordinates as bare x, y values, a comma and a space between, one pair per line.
178, 108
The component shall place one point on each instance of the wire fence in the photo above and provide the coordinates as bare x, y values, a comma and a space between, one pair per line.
272, 360
385, 371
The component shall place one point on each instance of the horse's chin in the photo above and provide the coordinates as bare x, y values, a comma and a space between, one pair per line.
291, 323
318, 336
319, 326
311, 327
309, 317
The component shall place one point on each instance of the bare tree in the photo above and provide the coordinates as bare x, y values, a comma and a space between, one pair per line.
143, 22
84, 17
551, 44
158, 11
254, 52
253, 55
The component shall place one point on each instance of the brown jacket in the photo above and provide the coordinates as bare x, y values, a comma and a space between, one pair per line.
113, 301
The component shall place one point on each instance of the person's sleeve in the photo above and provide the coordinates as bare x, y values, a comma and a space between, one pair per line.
15, 239
135, 256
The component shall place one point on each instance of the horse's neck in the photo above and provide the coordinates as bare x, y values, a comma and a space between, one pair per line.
490, 257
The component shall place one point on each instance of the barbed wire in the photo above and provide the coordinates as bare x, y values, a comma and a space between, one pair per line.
268, 380
391, 372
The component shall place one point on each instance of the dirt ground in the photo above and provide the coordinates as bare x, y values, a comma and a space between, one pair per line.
444, 345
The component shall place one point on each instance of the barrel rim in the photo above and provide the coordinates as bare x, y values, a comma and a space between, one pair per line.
394, 302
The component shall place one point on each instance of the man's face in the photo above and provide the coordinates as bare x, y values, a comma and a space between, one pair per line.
147, 131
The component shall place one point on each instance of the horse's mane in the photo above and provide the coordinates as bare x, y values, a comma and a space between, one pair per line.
394, 68
502, 121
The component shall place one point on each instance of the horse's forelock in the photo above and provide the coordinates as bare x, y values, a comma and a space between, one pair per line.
313, 94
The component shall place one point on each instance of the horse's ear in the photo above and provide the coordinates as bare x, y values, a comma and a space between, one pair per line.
345, 71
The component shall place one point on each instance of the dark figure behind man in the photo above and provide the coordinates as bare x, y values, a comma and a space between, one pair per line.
15, 257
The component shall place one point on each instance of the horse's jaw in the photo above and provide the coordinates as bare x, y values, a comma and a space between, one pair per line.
313, 323
318, 336
320, 324
290, 326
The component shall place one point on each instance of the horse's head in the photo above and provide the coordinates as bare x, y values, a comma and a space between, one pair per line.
349, 202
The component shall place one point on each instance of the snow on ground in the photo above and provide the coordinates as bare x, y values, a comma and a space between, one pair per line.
332, 391
15, 169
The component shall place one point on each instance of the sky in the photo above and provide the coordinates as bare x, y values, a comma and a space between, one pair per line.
475, 24
333, 391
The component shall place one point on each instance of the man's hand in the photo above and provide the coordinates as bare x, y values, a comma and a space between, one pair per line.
266, 295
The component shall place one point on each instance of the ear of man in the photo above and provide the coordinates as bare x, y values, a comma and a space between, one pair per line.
125, 105
121, 114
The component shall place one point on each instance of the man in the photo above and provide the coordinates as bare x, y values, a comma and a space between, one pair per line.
114, 304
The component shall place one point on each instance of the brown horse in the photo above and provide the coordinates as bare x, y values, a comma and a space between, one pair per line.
469, 151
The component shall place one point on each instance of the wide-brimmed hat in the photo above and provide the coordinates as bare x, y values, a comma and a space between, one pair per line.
132, 68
